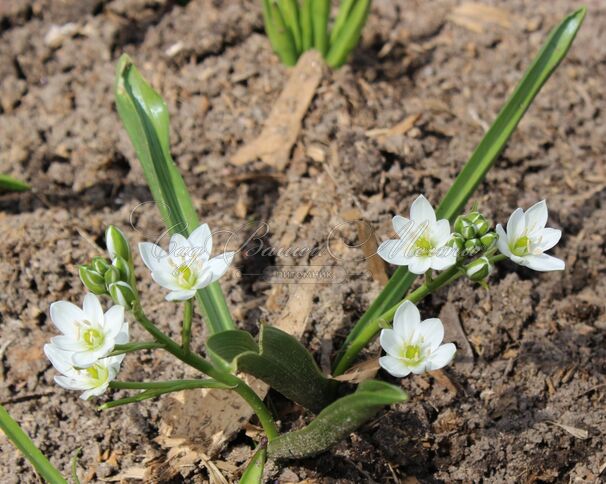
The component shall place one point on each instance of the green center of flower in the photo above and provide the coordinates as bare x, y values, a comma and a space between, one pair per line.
185, 276
521, 247
98, 373
423, 246
93, 338
412, 354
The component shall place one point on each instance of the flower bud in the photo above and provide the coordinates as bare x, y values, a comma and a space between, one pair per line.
100, 265
459, 224
473, 246
479, 269
457, 241
489, 240
93, 281
117, 245
122, 294
468, 231
111, 275
479, 222
122, 266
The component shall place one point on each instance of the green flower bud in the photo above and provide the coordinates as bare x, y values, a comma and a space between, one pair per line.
100, 265
122, 294
489, 240
473, 246
479, 269
93, 281
117, 245
122, 266
459, 224
468, 231
111, 275
457, 241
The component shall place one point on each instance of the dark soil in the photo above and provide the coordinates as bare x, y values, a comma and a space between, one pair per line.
518, 413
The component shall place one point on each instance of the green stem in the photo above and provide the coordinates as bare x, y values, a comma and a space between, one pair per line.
200, 364
188, 311
155, 385
130, 347
25, 445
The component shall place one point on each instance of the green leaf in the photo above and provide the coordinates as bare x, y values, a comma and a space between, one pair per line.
307, 30
254, 470
345, 7
336, 421
290, 14
145, 117
21, 441
348, 35
320, 12
280, 360
11, 184
279, 35
474, 171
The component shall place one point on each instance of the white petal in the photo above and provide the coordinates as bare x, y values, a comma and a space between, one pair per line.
59, 359
536, 216
439, 233
178, 245
394, 252
441, 357
92, 308
548, 238
180, 295
432, 332
86, 359
202, 239
406, 320
71, 383
503, 242
441, 262
543, 263
166, 280
64, 314
123, 336
94, 391
204, 279
401, 225
419, 265
67, 343
154, 256
421, 211
391, 342
113, 320
516, 225
394, 366
219, 265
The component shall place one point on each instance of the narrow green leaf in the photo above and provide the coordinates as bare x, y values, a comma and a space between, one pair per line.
320, 12
474, 171
278, 33
281, 361
290, 14
341, 19
11, 184
336, 421
254, 470
307, 30
145, 117
349, 36
21, 441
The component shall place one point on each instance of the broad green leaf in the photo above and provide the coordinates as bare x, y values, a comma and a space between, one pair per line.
145, 117
21, 441
474, 171
336, 421
280, 360
320, 12
11, 184
254, 470
348, 35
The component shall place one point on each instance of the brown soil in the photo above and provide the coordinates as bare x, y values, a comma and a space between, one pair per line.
518, 413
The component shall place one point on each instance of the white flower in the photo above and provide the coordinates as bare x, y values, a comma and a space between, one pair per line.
93, 380
413, 346
88, 334
527, 238
187, 266
423, 240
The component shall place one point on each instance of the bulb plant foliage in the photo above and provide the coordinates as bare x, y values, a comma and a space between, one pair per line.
440, 245
296, 26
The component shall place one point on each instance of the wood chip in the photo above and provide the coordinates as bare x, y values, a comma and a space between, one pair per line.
401, 128
574, 431
360, 372
453, 331
282, 127
478, 17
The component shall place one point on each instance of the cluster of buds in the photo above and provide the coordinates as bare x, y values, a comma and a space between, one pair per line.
472, 234
112, 277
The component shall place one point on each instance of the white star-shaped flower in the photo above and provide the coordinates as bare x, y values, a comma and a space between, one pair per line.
423, 240
187, 266
527, 239
414, 346
88, 333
